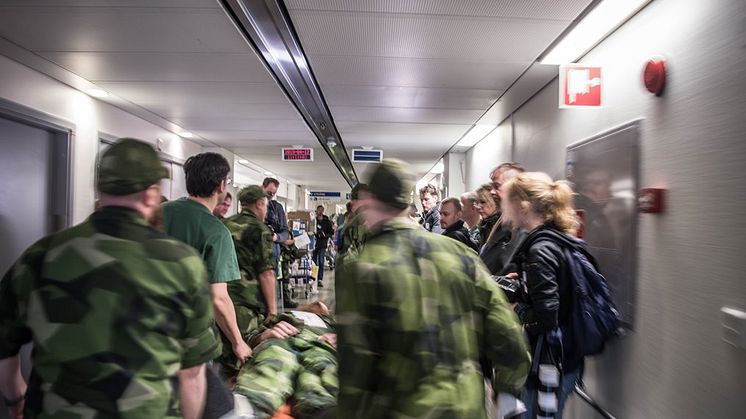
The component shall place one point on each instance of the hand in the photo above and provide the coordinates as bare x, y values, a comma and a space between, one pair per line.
281, 330
275, 237
242, 351
512, 275
330, 338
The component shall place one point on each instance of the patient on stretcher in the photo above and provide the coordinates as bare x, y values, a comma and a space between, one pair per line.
294, 362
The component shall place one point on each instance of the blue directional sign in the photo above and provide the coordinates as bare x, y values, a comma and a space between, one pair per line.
317, 194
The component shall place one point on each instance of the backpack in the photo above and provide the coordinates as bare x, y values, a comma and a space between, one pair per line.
593, 317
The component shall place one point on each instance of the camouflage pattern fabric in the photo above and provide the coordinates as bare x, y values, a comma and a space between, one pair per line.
288, 254
301, 369
415, 312
253, 242
353, 235
114, 309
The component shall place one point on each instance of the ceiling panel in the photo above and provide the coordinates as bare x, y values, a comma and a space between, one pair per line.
469, 39
403, 97
112, 3
143, 67
242, 137
435, 130
244, 124
417, 115
107, 29
410, 72
170, 93
535, 9
247, 111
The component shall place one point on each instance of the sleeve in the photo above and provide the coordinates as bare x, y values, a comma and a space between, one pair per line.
283, 233
541, 270
199, 340
435, 227
220, 258
356, 339
503, 340
15, 289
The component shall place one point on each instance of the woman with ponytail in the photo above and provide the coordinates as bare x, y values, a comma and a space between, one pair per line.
542, 207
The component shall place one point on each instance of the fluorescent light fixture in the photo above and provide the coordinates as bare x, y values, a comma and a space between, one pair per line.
603, 19
439, 167
100, 93
243, 161
268, 173
186, 134
475, 134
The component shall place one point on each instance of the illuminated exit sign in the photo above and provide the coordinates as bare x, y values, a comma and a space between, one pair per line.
297, 154
579, 86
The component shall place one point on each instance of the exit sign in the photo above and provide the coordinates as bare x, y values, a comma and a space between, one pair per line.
579, 86
297, 154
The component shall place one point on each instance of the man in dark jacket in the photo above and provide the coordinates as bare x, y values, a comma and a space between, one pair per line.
453, 225
276, 219
324, 230
430, 219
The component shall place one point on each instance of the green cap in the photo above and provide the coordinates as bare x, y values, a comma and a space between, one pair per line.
251, 194
128, 166
392, 183
355, 193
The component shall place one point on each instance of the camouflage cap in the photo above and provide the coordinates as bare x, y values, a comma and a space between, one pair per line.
128, 166
355, 193
392, 183
251, 194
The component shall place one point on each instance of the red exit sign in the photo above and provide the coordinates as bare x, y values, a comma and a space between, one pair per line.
297, 154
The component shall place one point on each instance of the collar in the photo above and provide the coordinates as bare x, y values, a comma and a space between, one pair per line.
458, 225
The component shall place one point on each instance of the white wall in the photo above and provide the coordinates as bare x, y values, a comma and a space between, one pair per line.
454, 176
32, 89
674, 364
488, 154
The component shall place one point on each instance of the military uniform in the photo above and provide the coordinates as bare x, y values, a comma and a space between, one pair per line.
300, 368
288, 254
353, 235
253, 242
113, 307
415, 313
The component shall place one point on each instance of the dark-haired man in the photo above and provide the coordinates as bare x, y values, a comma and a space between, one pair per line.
191, 221
453, 225
222, 208
324, 231
430, 220
278, 223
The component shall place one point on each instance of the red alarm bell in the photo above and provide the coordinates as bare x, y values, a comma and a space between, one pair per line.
654, 75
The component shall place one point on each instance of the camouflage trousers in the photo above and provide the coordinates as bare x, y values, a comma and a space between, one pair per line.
300, 370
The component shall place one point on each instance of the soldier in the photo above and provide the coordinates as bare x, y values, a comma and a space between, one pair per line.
253, 295
353, 233
116, 311
415, 312
288, 254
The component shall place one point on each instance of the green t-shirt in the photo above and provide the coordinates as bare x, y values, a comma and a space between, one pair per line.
193, 224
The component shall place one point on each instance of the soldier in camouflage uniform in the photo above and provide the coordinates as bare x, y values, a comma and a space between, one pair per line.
353, 233
300, 368
288, 254
117, 311
415, 313
254, 294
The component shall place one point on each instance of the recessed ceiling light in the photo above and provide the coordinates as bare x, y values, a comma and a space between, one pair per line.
186, 134
97, 92
476, 134
243, 161
268, 173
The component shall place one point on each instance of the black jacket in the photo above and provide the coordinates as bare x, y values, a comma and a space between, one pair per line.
459, 232
498, 253
430, 220
486, 225
548, 287
324, 230
277, 220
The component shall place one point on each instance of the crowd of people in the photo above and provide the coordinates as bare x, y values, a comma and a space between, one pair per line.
128, 310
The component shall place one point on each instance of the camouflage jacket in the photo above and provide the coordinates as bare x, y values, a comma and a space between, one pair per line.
353, 235
114, 309
415, 313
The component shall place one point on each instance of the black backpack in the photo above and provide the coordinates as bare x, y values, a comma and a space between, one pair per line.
593, 318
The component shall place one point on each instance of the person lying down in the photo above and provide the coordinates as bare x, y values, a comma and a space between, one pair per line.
294, 362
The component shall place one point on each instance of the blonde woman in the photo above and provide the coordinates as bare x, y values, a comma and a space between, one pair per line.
489, 210
543, 208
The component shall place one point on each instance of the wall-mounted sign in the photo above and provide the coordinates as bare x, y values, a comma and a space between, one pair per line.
367, 156
325, 196
579, 86
297, 154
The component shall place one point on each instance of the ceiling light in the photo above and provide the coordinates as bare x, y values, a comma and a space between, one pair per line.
97, 92
439, 167
243, 161
186, 134
602, 20
268, 173
475, 134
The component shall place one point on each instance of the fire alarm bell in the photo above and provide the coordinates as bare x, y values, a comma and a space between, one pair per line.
650, 200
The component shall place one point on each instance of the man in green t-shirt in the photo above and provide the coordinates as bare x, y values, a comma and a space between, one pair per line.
118, 313
191, 221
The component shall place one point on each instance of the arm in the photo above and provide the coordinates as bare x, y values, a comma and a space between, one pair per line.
283, 232
542, 267
12, 386
192, 391
267, 283
225, 317
504, 342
